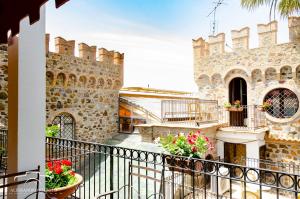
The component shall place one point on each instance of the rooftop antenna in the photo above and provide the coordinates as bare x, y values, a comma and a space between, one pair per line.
214, 11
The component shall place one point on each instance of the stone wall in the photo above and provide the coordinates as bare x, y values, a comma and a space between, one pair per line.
280, 150
264, 68
3, 86
82, 87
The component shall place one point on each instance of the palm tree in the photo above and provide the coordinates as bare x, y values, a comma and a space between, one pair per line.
284, 7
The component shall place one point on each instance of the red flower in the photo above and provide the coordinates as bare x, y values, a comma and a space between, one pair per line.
72, 173
66, 163
191, 140
58, 170
194, 149
50, 166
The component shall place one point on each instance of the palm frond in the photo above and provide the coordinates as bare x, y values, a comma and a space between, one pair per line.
288, 7
252, 4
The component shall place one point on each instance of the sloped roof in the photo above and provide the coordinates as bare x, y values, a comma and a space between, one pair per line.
13, 11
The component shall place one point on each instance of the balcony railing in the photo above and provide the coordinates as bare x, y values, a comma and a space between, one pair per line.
244, 117
189, 111
107, 168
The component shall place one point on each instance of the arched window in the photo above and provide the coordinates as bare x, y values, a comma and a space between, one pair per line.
49, 78
216, 80
286, 73
256, 75
298, 73
270, 74
66, 123
72, 80
60, 80
284, 103
82, 81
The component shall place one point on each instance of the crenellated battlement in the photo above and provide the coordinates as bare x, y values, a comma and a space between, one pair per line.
294, 29
216, 44
267, 37
267, 34
240, 38
87, 52
63, 46
67, 47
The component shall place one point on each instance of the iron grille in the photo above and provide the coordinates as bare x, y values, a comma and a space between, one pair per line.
284, 103
67, 125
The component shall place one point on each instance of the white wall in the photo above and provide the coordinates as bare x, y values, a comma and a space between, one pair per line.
27, 100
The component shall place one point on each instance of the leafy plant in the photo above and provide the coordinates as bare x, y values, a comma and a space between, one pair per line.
52, 131
192, 145
2, 150
227, 105
284, 7
59, 174
267, 104
237, 103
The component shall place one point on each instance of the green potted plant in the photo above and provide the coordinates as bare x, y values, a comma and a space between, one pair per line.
61, 180
227, 105
193, 145
52, 131
265, 106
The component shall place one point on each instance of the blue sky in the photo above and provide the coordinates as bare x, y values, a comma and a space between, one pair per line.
155, 35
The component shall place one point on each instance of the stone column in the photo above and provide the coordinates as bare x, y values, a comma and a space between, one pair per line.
27, 100
220, 149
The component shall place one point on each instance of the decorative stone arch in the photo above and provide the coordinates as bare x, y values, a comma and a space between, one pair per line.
257, 76
61, 79
108, 83
49, 78
82, 81
286, 73
216, 80
100, 83
270, 74
231, 74
298, 73
237, 70
72, 80
117, 84
92, 82
67, 124
203, 80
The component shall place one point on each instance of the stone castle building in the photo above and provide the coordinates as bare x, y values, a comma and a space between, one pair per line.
269, 72
82, 92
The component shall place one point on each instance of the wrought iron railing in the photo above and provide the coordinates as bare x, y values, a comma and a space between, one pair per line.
106, 168
244, 117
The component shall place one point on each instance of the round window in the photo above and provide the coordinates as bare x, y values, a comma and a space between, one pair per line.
284, 103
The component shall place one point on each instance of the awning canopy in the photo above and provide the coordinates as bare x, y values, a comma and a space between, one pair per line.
13, 11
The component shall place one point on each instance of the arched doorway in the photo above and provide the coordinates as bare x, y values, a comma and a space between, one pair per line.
66, 123
238, 91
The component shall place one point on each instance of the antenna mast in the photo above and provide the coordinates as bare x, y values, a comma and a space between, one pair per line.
217, 4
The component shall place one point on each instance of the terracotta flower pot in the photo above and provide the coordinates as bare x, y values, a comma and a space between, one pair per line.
234, 109
184, 166
64, 192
